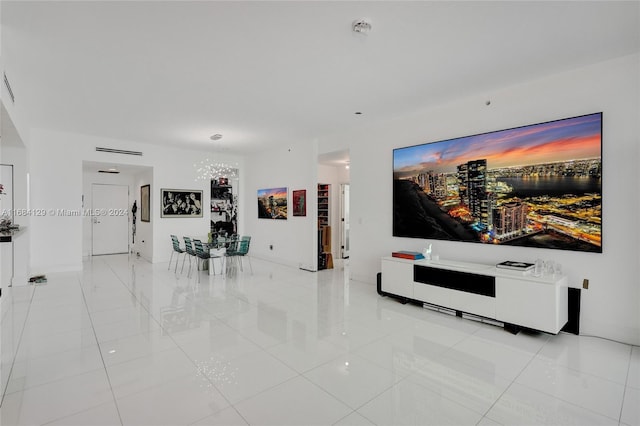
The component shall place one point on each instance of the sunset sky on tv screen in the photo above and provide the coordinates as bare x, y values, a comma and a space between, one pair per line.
562, 140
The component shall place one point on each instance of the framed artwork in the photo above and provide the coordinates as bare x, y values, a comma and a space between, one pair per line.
272, 203
181, 203
145, 203
300, 202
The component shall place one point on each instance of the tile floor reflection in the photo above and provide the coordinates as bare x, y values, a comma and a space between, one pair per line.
125, 342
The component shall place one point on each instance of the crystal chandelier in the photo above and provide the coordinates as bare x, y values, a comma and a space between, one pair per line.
208, 169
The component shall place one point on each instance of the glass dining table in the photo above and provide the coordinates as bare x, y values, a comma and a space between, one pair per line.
222, 242
217, 250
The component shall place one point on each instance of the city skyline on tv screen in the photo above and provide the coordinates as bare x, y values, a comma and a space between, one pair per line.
538, 185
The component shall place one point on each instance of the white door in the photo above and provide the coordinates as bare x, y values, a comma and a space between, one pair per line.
110, 219
344, 221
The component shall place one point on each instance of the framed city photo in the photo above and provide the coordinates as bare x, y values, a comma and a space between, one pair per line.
272, 203
181, 203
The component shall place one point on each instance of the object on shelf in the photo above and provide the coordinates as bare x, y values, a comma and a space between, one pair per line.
323, 204
515, 266
413, 255
325, 259
427, 252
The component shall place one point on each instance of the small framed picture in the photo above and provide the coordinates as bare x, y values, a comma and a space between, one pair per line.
145, 203
300, 202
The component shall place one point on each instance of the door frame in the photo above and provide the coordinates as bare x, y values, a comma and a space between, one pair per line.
345, 224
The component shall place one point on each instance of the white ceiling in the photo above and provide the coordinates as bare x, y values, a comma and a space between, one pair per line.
262, 73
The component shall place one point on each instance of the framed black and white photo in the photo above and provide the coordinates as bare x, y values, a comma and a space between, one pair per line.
181, 203
145, 203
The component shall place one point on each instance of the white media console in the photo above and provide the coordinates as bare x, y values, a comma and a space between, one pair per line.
510, 297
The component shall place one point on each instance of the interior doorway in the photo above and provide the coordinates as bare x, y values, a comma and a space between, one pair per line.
334, 171
138, 238
344, 221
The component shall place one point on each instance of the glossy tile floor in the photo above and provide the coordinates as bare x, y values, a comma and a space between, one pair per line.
130, 343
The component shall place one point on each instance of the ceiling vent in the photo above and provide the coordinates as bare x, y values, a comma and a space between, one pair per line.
8, 86
118, 151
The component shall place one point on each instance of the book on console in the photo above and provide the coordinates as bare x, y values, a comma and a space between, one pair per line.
515, 266
413, 255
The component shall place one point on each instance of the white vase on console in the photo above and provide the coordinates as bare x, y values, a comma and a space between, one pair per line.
427, 252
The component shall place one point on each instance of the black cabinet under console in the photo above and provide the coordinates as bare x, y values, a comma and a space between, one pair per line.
483, 285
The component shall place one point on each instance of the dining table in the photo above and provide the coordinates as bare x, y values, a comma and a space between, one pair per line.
217, 250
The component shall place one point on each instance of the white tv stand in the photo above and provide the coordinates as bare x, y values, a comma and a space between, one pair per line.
513, 298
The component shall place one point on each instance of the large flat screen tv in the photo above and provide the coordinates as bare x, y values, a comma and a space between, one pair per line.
536, 186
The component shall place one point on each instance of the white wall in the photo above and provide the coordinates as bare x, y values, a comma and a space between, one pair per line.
610, 308
144, 230
14, 152
293, 239
16, 156
56, 183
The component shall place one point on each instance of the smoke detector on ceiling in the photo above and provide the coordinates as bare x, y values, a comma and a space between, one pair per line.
362, 26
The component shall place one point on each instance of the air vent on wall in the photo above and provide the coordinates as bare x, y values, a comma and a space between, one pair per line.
8, 86
118, 151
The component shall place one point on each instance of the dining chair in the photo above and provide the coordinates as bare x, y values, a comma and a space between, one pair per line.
176, 249
190, 251
231, 244
243, 251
